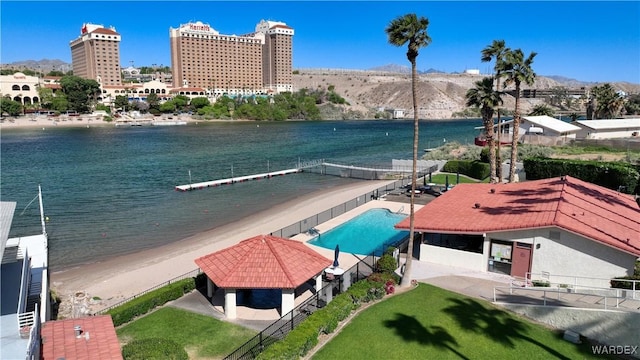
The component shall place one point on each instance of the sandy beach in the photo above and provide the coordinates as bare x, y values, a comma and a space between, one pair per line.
119, 278
44, 122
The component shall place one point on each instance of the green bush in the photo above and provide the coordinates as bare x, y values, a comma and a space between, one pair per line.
611, 175
153, 348
474, 169
145, 303
386, 264
540, 283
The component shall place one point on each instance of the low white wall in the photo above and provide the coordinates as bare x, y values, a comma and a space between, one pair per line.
452, 257
609, 327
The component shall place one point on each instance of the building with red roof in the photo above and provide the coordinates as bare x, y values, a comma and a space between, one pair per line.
262, 262
558, 226
82, 338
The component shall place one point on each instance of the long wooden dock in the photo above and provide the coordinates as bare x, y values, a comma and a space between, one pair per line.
233, 180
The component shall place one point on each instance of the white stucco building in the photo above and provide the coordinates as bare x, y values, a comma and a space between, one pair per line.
563, 227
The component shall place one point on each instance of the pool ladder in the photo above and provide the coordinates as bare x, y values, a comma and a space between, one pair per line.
401, 210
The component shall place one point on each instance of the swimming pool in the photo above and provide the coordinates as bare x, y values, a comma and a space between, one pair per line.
364, 234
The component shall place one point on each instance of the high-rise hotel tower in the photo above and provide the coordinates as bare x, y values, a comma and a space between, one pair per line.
253, 63
96, 54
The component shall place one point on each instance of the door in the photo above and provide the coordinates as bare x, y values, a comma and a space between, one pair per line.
521, 260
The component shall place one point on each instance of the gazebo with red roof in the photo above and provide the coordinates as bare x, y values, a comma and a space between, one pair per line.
558, 226
262, 262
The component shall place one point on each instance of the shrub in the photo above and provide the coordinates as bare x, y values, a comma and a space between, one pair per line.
387, 264
611, 175
475, 169
541, 283
153, 348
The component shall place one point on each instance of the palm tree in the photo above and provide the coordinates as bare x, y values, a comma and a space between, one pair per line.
497, 50
410, 29
483, 96
517, 70
541, 109
608, 103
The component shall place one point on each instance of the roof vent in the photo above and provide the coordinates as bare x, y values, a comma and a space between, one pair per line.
476, 205
78, 331
493, 191
563, 178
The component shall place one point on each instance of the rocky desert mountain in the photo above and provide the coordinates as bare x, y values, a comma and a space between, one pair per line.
439, 95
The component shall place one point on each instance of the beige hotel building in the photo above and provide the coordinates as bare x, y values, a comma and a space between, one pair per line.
96, 54
259, 62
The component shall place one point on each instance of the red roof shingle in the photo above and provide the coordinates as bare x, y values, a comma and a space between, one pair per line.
98, 339
263, 262
595, 212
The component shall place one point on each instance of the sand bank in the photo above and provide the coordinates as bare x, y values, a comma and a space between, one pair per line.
119, 278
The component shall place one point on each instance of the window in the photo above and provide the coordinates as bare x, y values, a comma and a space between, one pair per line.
471, 243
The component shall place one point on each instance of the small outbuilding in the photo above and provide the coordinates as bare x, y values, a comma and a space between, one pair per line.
262, 262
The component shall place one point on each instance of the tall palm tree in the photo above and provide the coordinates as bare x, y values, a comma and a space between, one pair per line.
410, 29
517, 70
497, 50
483, 96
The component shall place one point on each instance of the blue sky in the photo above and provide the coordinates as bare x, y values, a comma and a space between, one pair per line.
584, 40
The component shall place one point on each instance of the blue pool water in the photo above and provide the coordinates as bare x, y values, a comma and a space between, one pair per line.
369, 232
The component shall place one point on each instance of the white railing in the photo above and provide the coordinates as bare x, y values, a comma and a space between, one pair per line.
24, 282
26, 319
33, 350
582, 282
550, 294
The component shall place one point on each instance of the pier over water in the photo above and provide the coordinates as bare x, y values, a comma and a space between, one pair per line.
323, 168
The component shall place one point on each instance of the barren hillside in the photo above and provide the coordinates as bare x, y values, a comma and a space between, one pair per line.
439, 95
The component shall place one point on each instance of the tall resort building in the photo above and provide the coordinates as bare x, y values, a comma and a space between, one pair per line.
259, 62
96, 54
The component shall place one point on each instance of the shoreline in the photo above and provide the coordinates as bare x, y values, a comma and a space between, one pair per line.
118, 278
64, 121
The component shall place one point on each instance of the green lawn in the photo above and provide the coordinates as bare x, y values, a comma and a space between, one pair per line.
441, 179
432, 323
201, 336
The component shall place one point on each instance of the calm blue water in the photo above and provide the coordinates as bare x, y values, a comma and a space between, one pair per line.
371, 231
110, 191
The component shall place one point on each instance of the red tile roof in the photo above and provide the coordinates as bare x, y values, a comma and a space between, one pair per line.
592, 211
263, 262
98, 339
105, 31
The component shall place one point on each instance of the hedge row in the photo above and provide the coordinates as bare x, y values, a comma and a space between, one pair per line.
474, 169
304, 337
613, 175
145, 303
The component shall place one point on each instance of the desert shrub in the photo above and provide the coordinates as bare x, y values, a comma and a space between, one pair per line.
153, 348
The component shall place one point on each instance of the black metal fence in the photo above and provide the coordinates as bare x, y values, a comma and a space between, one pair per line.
281, 327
